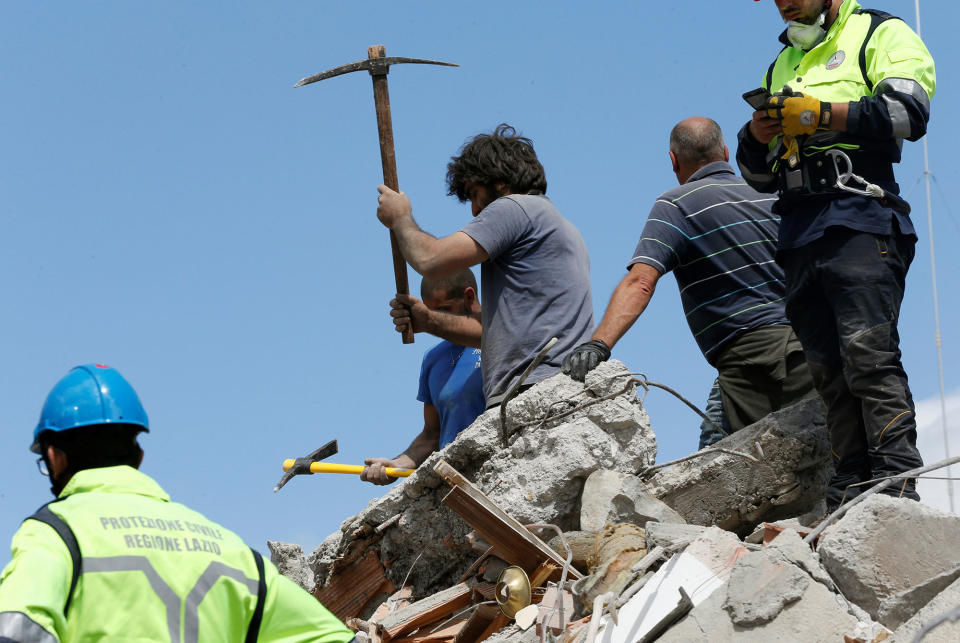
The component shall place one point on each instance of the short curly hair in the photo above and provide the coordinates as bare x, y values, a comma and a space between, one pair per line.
503, 156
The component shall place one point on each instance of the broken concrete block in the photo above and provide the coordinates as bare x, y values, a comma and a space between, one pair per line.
736, 494
580, 542
537, 478
789, 546
818, 615
291, 562
897, 609
946, 631
613, 496
701, 569
672, 535
884, 546
760, 586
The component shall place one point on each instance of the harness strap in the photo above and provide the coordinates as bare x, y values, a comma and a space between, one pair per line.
253, 630
876, 19
44, 515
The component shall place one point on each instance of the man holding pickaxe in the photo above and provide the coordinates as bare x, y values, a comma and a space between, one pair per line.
535, 270
451, 386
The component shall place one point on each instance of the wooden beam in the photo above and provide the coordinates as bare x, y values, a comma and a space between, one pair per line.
513, 542
427, 610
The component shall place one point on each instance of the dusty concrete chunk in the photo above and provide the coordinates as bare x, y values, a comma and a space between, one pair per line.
791, 548
672, 535
945, 632
819, 615
760, 586
537, 478
612, 496
884, 546
897, 609
735, 493
291, 562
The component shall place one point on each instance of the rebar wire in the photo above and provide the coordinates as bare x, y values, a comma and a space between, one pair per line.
698, 454
504, 426
637, 378
567, 565
407, 577
900, 477
872, 490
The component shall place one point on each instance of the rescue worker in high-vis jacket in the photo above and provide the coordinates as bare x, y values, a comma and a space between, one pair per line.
848, 87
112, 558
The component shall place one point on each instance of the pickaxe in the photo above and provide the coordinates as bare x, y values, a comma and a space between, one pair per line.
379, 66
311, 464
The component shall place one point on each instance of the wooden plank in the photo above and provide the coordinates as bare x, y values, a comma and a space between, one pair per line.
478, 622
498, 623
428, 610
446, 634
350, 590
511, 539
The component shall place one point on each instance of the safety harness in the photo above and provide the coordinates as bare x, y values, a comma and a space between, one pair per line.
828, 159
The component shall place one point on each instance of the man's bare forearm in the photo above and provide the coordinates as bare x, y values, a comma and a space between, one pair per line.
627, 303
463, 330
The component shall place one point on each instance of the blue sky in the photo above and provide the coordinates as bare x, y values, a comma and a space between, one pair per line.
171, 206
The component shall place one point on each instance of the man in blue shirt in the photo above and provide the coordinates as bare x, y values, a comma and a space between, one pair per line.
718, 236
451, 383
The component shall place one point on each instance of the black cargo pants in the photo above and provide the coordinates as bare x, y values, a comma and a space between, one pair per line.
844, 292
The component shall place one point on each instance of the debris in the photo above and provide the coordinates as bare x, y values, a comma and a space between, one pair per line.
541, 476
291, 562
702, 569
425, 611
884, 546
818, 615
735, 494
352, 590
479, 620
612, 497
934, 619
672, 536
512, 541
581, 542
759, 588
897, 609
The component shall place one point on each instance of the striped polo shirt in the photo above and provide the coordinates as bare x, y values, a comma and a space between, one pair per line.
718, 236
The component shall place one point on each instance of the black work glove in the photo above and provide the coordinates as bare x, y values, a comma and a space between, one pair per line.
584, 358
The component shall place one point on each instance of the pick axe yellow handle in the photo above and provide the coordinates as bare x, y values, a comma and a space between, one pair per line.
332, 467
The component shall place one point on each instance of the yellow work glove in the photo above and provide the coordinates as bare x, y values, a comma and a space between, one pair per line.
798, 114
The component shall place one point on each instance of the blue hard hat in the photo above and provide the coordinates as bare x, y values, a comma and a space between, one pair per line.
89, 395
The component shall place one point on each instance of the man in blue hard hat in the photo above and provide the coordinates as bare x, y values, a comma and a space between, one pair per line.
113, 557
451, 383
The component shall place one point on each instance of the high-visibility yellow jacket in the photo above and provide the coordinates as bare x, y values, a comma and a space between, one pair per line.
151, 570
883, 71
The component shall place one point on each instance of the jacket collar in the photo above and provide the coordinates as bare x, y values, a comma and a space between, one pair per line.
717, 167
120, 479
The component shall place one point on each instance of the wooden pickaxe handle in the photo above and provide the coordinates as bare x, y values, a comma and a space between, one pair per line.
381, 99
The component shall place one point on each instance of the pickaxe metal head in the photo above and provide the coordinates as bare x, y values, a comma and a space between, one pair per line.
376, 64
302, 465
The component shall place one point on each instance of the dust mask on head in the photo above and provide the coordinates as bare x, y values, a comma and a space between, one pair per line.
806, 37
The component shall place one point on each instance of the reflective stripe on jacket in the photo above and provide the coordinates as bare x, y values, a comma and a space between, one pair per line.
151, 570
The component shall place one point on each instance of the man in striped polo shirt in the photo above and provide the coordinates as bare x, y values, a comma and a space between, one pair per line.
719, 237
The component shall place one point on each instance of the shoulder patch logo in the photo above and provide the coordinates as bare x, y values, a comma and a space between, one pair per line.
836, 60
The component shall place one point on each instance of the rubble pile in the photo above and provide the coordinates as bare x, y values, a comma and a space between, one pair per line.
570, 533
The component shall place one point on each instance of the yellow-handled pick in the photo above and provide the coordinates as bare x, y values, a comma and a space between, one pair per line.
311, 464
333, 467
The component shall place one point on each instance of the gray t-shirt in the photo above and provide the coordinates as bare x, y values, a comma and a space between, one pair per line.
536, 285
